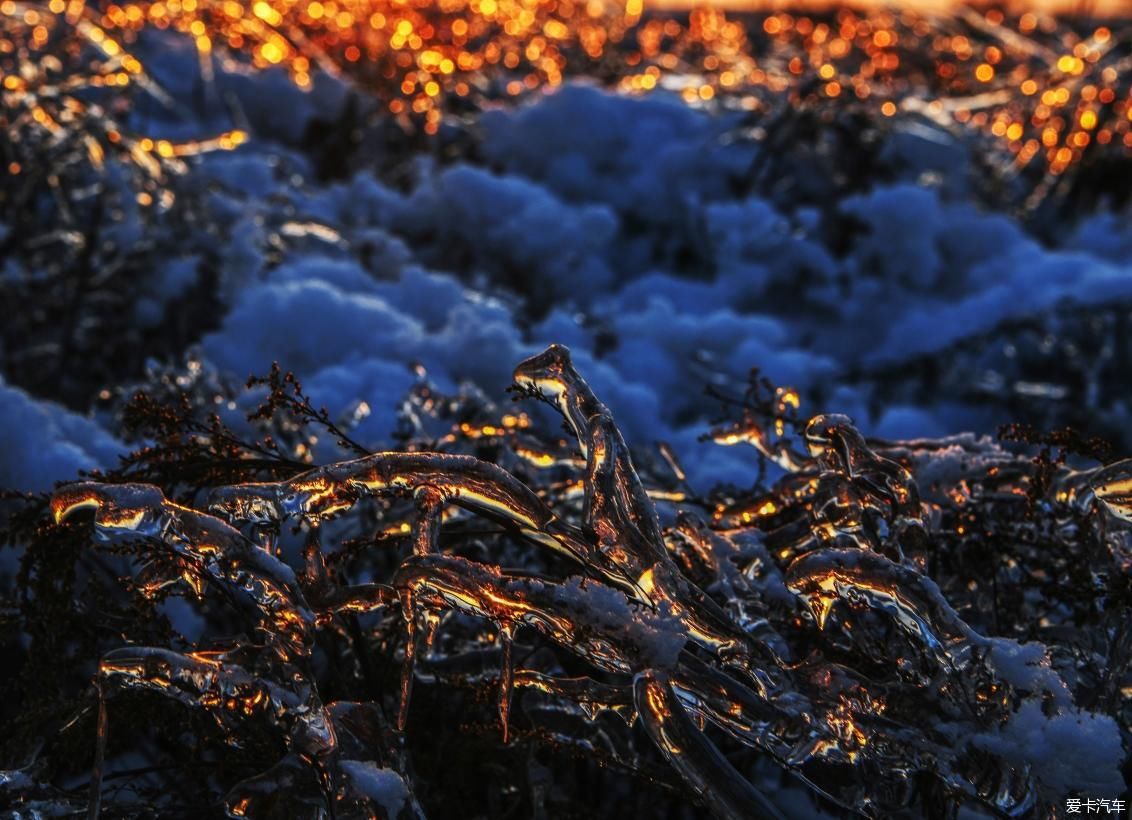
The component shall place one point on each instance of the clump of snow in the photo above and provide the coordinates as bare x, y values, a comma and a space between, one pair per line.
183, 617
383, 786
1071, 751
306, 324
900, 245
1027, 281
1107, 235
517, 233
650, 160
42, 443
1027, 667
657, 637
625, 228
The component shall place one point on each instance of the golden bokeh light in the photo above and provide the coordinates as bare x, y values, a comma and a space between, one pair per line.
1044, 89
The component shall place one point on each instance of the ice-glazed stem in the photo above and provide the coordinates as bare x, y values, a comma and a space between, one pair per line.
624, 537
915, 602
468, 482
591, 695
766, 431
551, 374
775, 725
359, 599
208, 548
617, 509
189, 678
591, 619
225, 691
872, 482
1112, 487
725, 792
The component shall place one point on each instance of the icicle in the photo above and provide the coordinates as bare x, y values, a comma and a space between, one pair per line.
426, 536
409, 614
269, 541
431, 620
316, 577
94, 807
506, 675
707, 772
